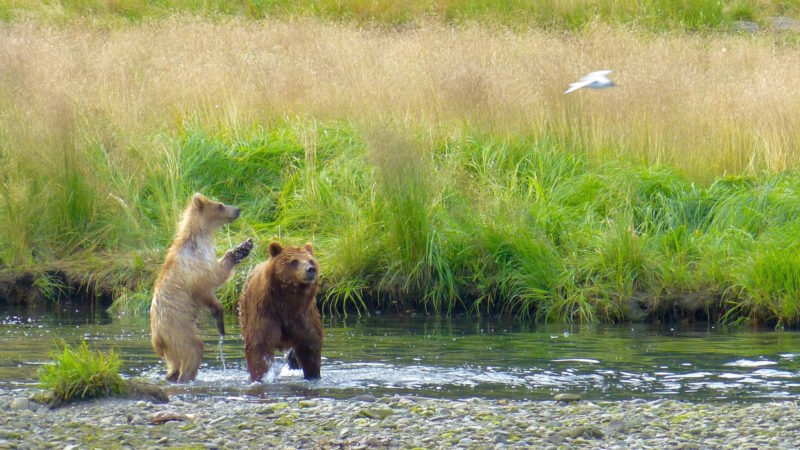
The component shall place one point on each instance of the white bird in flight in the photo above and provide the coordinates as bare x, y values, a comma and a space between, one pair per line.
594, 80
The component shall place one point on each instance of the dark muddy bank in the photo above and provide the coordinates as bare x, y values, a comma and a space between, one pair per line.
53, 289
56, 288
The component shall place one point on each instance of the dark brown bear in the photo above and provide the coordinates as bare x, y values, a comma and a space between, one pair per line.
278, 310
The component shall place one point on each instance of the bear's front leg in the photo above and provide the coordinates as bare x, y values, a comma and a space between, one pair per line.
309, 355
228, 262
258, 361
239, 253
216, 312
308, 346
215, 306
261, 337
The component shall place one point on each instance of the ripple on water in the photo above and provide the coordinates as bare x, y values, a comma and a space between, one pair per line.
751, 363
577, 360
772, 373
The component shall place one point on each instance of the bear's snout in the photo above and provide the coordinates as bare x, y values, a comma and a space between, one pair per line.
311, 272
236, 212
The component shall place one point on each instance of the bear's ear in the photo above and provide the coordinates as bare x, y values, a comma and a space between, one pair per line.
309, 248
275, 248
198, 200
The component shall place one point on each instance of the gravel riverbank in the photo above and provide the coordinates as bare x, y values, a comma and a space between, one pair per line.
395, 422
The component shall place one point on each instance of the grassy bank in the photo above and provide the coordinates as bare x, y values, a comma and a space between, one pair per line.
655, 15
475, 223
434, 169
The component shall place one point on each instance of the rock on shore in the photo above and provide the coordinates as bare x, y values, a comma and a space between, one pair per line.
396, 422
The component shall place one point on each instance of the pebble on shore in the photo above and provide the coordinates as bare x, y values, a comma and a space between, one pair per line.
400, 422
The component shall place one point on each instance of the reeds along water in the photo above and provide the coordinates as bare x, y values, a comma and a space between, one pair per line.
436, 168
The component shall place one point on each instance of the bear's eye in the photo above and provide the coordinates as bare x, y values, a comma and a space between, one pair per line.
221, 208
294, 263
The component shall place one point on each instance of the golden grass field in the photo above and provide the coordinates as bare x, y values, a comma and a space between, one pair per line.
706, 104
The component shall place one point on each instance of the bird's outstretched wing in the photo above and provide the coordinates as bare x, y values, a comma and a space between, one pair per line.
596, 75
578, 84
587, 80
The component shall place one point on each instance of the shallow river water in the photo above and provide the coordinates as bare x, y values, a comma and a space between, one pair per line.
449, 358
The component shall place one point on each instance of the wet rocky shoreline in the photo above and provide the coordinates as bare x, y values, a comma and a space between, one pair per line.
366, 421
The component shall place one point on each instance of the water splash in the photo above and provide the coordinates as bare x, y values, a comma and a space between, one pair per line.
221, 353
274, 371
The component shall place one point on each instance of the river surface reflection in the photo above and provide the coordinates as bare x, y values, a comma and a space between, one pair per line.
442, 357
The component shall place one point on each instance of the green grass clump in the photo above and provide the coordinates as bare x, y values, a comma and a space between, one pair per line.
80, 374
555, 14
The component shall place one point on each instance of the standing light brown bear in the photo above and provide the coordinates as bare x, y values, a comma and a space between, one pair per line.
278, 309
187, 283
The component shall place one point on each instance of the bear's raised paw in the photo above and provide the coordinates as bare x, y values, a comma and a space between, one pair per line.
241, 252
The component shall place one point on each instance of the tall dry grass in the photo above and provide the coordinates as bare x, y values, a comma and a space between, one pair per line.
708, 105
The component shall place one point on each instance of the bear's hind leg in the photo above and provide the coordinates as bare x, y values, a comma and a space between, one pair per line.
192, 358
173, 364
172, 372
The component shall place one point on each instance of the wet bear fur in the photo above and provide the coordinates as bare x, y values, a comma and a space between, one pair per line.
278, 310
187, 284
